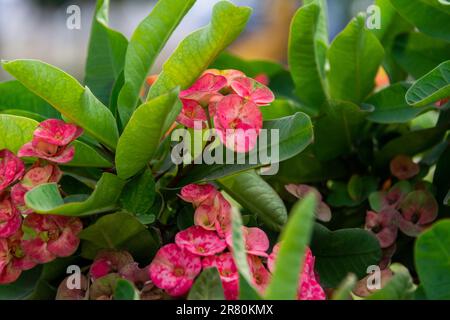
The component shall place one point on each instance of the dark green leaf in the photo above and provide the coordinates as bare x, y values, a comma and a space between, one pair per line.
208, 286
23, 287
139, 194
125, 290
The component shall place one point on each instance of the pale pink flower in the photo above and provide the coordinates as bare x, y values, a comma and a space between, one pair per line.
253, 91
323, 212
418, 210
238, 123
52, 236
389, 199
260, 275
197, 193
229, 74
262, 78
207, 85
214, 214
225, 265
191, 113
256, 241
383, 225
11, 169
10, 218
174, 269
199, 241
402, 167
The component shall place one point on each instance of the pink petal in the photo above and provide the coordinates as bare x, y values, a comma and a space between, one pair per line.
65, 245
231, 289
38, 175
256, 241
191, 113
205, 216
260, 275
224, 264
11, 169
197, 193
200, 241
207, 85
10, 219
37, 250
57, 132
262, 78
403, 167
252, 90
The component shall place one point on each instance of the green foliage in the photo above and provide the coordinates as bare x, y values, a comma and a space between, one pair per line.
208, 286
399, 287
125, 290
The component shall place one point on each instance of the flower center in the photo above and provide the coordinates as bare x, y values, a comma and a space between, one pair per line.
178, 271
415, 217
376, 229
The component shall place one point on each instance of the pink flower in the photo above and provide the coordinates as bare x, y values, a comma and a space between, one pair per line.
109, 261
262, 78
214, 214
309, 288
384, 225
18, 198
238, 123
442, 102
174, 269
224, 264
197, 193
51, 236
199, 241
231, 289
402, 167
10, 218
253, 91
418, 210
191, 113
323, 212
256, 241
13, 259
229, 74
389, 199
51, 140
11, 169
260, 275
207, 85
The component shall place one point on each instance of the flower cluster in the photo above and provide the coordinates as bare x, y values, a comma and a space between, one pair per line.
27, 238
405, 206
209, 244
231, 100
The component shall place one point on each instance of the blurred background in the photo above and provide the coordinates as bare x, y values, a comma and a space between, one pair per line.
37, 28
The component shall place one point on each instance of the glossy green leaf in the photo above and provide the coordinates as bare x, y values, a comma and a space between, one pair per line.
106, 54
432, 87
125, 290
256, 195
391, 106
146, 128
87, 156
295, 134
23, 113
354, 55
15, 131
294, 240
13, 95
208, 286
343, 251
198, 50
392, 23
308, 43
65, 94
399, 287
120, 231
280, 108
429, 16
23, 287
432, 257
146, 43
46, 198
139, 194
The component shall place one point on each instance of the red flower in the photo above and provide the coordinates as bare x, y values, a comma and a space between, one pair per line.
109, 261
206, 86
199, 241
10, 218
11, 169
192, 113
403, 167
384, 225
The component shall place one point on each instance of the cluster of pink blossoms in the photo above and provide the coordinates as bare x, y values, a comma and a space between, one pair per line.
47, 236
209, 244
232, 101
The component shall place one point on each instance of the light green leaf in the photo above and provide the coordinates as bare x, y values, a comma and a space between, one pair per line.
146, 43
256, 195
343, 291
294, 240
144, 132
87, 156
197, 51
432, 87
429, 16
399, 287
308, 43
432, 257
65, 94
15, 131
106, 54
139, 194
343, 251
295, 134
208, 286
391, 107
14, 96
354, 55
46, 198
125, 290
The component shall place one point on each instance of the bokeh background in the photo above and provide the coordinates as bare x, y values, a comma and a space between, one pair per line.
37, 28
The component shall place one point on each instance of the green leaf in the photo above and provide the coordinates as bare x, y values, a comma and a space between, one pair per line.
23, 287
429, 16
343, 251
354, 55
146, 43
294, 240
146, 128
208, 286
15, 131
87, 156
125, 290
198, 50
418, 53
432, 87
106, 54
359, 187
343, 291
432, 258
295, 134
399, 287
256, 195
65, 94
391, 107
336, 131
46, 198
139, 194
392, 23
441, 174
131, 236
308, 43
280, 108
13, 95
